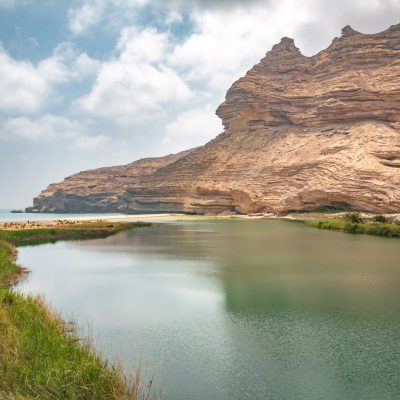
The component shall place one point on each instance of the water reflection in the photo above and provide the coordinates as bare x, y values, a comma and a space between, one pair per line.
236, 309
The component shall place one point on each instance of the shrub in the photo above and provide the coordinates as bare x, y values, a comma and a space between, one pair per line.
379, 219
353, 218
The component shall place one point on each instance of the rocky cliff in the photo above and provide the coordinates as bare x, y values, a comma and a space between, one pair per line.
98, 190
301, 133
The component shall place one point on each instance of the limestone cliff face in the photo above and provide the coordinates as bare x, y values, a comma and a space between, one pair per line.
300, 133
98, 190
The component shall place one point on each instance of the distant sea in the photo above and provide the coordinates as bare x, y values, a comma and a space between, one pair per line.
7, 216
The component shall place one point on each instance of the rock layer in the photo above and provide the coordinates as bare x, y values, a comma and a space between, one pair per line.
301, 133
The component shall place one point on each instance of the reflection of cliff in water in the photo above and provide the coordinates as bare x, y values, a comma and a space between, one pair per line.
275, 267
174, 240
271, 267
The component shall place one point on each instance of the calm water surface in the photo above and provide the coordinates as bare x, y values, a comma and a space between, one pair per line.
235, 309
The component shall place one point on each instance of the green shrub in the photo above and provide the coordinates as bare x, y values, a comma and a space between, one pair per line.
353, 218
379, 219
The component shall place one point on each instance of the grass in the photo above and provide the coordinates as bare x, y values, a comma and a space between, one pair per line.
70, 231
368, 227
9, 271
41, 356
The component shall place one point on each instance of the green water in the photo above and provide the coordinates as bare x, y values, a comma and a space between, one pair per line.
235, 309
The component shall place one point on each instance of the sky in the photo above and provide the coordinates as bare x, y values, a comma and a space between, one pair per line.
92, 83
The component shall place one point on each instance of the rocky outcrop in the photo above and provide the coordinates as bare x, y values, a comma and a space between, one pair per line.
98, 190
301, 133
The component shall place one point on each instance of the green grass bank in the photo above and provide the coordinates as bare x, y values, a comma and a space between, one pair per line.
41, 356
355, 223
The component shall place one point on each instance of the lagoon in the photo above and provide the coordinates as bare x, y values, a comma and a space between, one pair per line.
234, 309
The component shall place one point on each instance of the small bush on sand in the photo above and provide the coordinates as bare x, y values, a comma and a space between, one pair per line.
379, 219
353, 218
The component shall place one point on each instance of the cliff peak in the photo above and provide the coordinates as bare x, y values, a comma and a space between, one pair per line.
284, 57
286, 45
348, 31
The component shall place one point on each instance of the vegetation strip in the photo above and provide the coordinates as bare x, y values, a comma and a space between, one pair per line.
41, 356
353, 222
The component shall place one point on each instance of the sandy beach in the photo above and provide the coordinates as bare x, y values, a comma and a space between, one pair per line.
165, 218
155, 218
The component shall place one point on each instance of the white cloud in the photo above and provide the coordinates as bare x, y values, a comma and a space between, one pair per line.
173, 17
22, 87
374, 5
47, 127
192, 128
127, 93
56, 128
66, 64
25, 87
53, 70
90, 143
137, 85
111, 13
328, 18
146, 46
225, 43
84, 66
82, 18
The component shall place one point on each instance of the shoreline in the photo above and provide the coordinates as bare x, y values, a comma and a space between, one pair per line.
303, 215
146, 218
383, 225
387, 225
